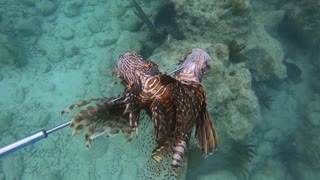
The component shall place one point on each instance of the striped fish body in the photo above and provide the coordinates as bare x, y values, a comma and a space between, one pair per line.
191, 104
176, 104
148, 88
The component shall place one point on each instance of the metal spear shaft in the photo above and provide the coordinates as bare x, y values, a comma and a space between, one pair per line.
33, 138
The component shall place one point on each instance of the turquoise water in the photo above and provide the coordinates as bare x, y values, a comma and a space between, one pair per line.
262, 87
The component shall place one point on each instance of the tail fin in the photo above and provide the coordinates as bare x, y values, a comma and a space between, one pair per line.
206, 134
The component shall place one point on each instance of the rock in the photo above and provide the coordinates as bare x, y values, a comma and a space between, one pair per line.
67, 34
56, 52
314, 83
27, 2
273, 135
93, 25
218, 175
13, 167
315, 58
312, 112
7, 56
45, 67
307, 172
129, 172
41, 120
310, 146
271, 23
28, 26
100, 13
270, 169
313, 118
106, 38
265, 173
196, 18
266, 149
240, 7
93, 3
44, 119
126, 42
300, 23
72, 51
265, 56
54, 49
71, 11
131, 22
72, 8
74, 62
19, 95
119, 11
5, 120
9, 138
48, 87
46, 7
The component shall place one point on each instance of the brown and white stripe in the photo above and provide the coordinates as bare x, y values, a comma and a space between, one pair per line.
179, 150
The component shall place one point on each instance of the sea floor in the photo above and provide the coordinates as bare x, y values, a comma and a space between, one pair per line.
74, 59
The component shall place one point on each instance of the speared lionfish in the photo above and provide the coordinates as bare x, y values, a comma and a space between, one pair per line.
176, 104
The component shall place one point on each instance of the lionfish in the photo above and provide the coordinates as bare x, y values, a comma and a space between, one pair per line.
175, 103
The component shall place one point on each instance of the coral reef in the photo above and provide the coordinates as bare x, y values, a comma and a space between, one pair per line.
311, 140
265, 56
264, 97
301, 22
238, 158
240, 7
299, 153
217, 21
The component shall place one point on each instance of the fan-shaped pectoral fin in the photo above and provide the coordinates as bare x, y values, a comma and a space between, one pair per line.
110, 124
134, 120
93, 133
89, 115
82, 103
85, 117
